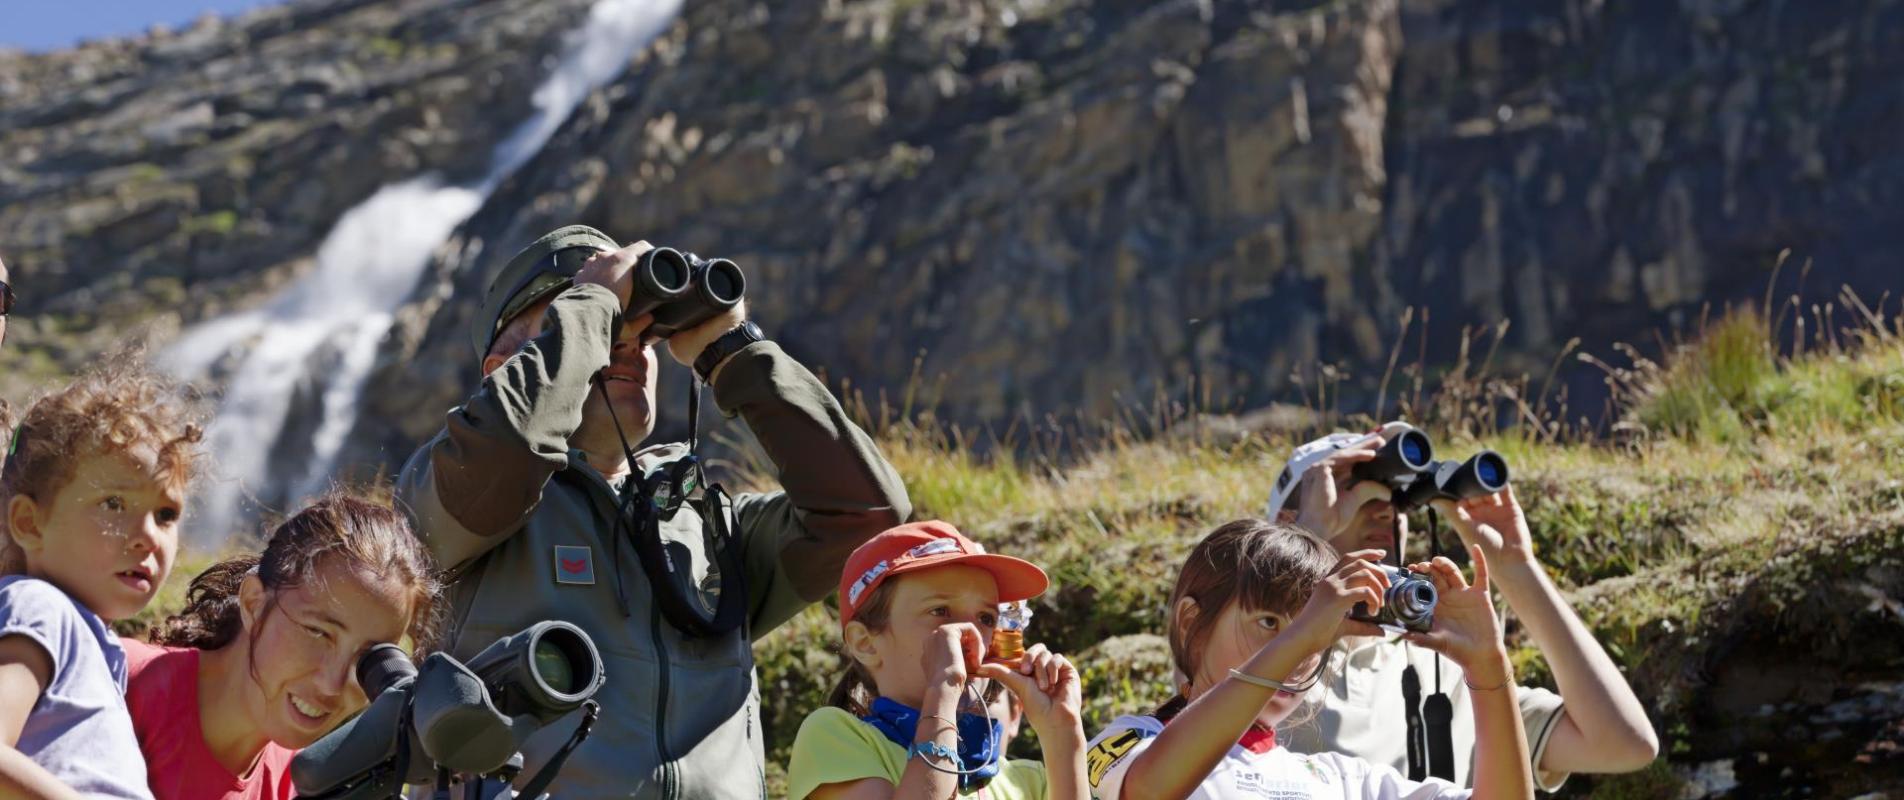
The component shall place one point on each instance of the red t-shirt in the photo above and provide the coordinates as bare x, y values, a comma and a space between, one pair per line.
162, 694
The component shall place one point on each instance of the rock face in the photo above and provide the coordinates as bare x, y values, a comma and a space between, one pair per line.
1073, 207
1065, 206
183, 174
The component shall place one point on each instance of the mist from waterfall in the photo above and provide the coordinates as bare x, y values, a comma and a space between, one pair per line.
322, 331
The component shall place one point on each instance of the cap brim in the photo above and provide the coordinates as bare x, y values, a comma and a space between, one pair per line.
1017, 578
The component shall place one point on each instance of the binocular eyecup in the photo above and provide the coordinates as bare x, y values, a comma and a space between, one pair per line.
384, 667
683, 290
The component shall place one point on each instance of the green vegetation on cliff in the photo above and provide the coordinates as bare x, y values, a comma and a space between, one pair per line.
1732, 541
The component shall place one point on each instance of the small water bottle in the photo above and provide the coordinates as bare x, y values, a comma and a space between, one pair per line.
1008, 642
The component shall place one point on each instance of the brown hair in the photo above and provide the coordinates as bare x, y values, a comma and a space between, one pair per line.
340, 531
116, 407
1263, 565
856, 689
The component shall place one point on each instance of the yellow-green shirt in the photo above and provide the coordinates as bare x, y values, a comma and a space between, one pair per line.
834, 746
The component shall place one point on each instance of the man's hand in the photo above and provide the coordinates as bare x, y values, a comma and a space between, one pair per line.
687, 345
1494, 523
615, 270
1328, 506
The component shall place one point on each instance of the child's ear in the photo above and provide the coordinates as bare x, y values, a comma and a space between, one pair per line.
23, 524
250, 600
1185, 613
860, 645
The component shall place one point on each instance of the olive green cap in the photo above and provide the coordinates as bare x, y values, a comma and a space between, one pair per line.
531, 275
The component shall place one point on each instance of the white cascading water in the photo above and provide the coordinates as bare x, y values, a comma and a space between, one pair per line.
323, 329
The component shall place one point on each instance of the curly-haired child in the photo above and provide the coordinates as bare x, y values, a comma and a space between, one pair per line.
90, 501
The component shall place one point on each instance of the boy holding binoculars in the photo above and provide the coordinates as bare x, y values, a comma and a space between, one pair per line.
1385, 689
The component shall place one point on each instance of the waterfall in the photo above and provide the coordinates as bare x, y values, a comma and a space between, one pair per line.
322, 331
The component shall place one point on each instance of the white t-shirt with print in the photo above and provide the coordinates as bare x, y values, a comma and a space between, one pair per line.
1276, 774
1359, 709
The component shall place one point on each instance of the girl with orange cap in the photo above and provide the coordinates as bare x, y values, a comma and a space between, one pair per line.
918, 607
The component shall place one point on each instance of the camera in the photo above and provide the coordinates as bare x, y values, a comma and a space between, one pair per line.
1409, 602
1406, 465
445, 717
683, 290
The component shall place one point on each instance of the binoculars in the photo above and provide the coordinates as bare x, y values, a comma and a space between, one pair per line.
1406, 464
446, 716
683, 290
1409, 603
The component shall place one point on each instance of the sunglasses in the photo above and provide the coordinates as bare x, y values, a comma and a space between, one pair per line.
6, 298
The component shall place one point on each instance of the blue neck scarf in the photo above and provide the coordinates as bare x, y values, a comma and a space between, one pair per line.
978, 739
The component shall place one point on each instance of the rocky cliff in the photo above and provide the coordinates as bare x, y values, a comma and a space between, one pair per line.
1076, 206
1065, 206
181, 175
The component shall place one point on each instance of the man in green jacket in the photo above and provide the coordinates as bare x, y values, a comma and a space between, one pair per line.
518, 497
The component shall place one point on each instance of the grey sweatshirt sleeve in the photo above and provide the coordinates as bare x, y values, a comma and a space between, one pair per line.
480, 478
838, 490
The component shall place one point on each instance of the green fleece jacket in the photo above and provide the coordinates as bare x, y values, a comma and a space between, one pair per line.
527, 527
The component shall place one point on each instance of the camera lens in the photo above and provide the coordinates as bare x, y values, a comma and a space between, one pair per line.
553, 666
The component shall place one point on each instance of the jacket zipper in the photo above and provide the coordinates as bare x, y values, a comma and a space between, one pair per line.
668, 788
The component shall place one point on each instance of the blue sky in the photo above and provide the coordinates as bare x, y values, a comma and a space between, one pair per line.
53, 24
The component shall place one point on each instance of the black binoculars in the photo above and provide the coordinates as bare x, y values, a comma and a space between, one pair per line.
683, 290
447, 716
1406, 464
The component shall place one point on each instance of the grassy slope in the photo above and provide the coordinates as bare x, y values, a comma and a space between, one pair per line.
1749, 508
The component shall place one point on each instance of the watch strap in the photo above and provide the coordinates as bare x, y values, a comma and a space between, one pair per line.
728, 344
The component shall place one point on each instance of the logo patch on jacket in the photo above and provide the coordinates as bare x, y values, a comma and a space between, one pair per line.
574, 564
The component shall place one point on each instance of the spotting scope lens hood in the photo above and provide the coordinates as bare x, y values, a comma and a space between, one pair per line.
455, 722
544, 671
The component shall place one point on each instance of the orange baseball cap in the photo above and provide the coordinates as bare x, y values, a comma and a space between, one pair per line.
924, 545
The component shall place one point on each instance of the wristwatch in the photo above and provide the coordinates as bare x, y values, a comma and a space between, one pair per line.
730, 343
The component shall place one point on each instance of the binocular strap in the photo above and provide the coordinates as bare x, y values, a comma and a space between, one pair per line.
676, 593
675, 590
1431, 721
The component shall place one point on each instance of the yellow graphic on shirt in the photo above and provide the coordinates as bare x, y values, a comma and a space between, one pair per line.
1105, 755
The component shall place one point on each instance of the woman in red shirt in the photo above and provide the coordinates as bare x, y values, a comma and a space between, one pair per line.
262, 661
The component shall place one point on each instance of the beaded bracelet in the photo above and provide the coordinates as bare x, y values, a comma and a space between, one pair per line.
1265, 683
1473, 688
932, 749
941, 718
